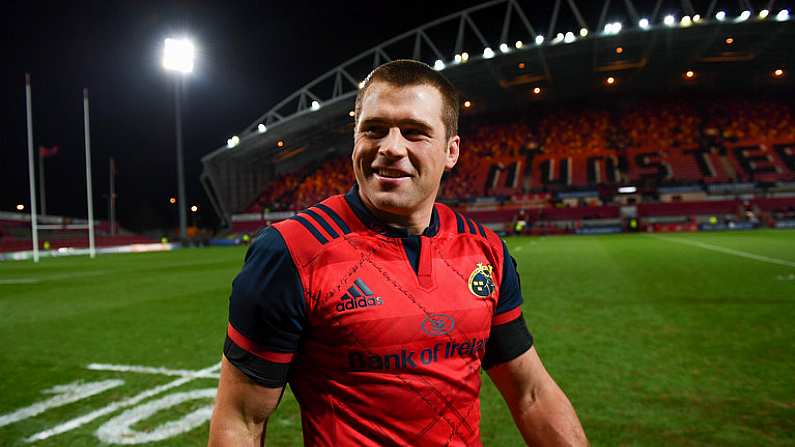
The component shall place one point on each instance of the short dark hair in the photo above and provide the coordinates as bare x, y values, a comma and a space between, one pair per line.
407, 72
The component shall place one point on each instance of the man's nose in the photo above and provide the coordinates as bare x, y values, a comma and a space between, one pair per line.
393, 145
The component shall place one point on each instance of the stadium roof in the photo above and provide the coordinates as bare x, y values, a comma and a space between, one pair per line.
497, 55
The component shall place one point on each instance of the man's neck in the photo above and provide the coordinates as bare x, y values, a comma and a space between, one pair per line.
414, 223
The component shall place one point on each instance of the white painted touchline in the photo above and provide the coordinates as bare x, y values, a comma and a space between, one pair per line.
110, 408
152, 370
728, 251
63, 395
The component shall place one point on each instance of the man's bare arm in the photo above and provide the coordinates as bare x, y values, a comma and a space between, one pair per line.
540, 409
242, 408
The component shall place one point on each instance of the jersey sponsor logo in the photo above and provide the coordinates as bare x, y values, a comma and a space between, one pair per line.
472, 349
480, 281
437, 324
358, 296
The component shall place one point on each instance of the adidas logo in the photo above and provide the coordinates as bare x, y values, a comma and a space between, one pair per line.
359, 295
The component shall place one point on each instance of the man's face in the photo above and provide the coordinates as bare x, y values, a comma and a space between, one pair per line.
401, 148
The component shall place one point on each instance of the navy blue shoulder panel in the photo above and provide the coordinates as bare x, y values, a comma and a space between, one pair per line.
510, 287
267, 304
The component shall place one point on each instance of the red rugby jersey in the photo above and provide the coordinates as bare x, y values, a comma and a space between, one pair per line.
384, 332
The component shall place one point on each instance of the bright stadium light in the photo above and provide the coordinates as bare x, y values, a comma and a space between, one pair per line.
697, 18
488, 53
464, 57
232, 142
583, 32
569, 37
261, 128
686, 21
520, 44
315, 105
764, 13
20, 207
627, 190
537, 91
669, 20
777, 73
194, 208
457, 58
558, 38
643, 23
782, 15
438, 65
744, 16
613, 28
539, 39
720, 16
504, 47
178, 55
361, 85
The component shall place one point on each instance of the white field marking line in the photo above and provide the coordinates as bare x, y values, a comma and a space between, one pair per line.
113, 406
63, 395
19, 281
152, 370
728, 251
55, 277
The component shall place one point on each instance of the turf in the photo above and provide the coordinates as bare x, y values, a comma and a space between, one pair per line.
657, 341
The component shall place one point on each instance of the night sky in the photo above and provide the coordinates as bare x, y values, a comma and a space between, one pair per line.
250, 56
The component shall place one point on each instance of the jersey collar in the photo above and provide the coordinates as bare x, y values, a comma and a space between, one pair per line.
372, 222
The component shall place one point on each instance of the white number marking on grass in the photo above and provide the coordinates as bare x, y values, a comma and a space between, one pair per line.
110, 408
729, 251
64, 394
119, 429
152, 370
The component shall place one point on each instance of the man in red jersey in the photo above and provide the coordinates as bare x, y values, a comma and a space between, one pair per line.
380, 307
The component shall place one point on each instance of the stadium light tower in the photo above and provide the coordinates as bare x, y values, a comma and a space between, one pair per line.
178, 57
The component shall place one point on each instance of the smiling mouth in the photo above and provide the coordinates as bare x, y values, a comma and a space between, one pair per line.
390, 173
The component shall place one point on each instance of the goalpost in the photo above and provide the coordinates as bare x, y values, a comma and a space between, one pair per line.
33, 206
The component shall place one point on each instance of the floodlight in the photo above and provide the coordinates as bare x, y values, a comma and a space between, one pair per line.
504, 47
697, 18
194, 208
558, 38
627, 190
764, 13
520, 44
351, 114
539, 39
669, 20
488, 53
721, 16
232, 142
778, 73
315, 105
361, 84
20, 207
744, 16
569, 37
643, 23
685, 21
537, 91
457, 58
262, 128
438, 65
583, 32
467, 104
464, 57
178, 55
782, 15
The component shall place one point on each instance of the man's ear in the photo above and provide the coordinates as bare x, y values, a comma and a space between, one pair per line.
453, 151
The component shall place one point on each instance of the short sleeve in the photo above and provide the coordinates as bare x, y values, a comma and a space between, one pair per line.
509, 337
267, 311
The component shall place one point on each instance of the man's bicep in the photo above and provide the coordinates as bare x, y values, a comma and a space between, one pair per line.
242, 408
520, 377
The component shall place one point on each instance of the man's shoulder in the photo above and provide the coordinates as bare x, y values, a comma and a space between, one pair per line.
458, 222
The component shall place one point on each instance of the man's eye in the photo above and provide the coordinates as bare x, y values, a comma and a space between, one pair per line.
373, 132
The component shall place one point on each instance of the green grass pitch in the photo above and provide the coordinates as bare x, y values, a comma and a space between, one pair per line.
680, 339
